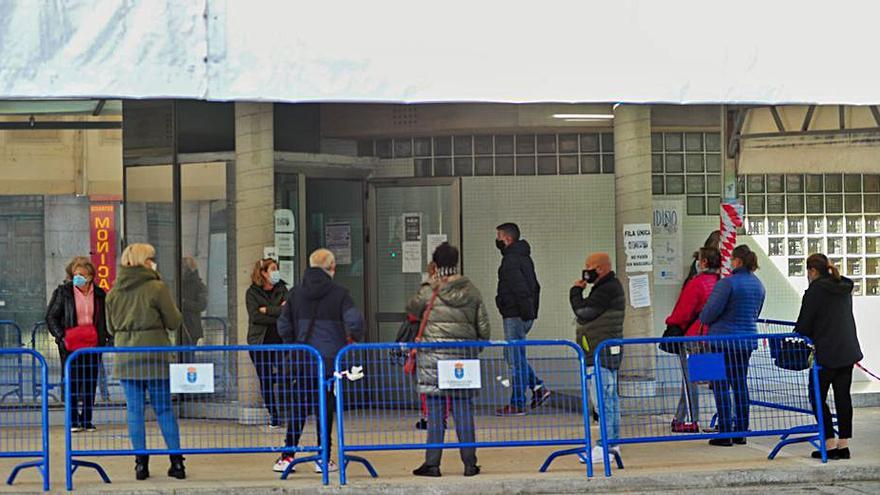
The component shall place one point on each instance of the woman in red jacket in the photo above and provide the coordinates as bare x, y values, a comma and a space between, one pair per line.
686, 315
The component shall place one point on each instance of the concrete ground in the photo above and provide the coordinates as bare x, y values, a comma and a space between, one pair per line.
682, 467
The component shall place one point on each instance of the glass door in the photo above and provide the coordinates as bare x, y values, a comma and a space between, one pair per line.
408, 218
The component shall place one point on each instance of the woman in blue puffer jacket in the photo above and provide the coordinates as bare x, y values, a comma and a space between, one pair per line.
733, 309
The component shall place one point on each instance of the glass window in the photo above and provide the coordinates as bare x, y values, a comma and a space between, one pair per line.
815, 225
403, 148
872, 224
503, 164
872, 183
423, 167
775, 184
857, 287
656, 163
872, 245
607, 163
674, 163
775, 203
756, 226
483, 165
464, 166
794, 203
713, 163
853, 225
442, 167
833, 183
696, 184
525, 165
656, 141
872, 266
568, 164
568, 143
546, 143
674, 184
607, 142
463, 145
872, 203
794, 183
816, 245
525, 144
693, 141
713, 205
795, 246
713, 141
835, 225
590, 164
713, 184
504, 145
796, 267
696, 205
740, 185
694, 163
483, 145
814, 183
755, 205
815, 203
776, 225
656, 184
756, 183
422, 146
795, 225
835, 245
838, 262
589, 143
853, 203
854, 267
673, 141
442, 146
872, 288
852, 183
834, 203
776, 247
853, 245
547, 165
383, 148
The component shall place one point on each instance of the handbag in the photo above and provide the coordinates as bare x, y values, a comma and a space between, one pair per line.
672, 347
409, 367
80, 337
405, 334
791, 353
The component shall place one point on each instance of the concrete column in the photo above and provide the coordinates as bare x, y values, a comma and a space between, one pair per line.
633, 204
254, 229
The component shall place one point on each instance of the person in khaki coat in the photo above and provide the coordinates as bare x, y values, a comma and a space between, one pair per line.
458, 314
140, 313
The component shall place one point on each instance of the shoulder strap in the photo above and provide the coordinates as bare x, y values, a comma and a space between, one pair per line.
426, 314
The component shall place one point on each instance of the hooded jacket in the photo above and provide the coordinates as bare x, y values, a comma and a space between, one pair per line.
458, 315
734, 306
140, 313
329, 305
518, 289
826, 317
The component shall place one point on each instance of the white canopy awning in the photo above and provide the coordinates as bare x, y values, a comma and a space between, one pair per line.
686, 51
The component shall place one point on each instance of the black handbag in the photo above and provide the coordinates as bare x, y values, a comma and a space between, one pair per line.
672, 347
791, 353
406, 334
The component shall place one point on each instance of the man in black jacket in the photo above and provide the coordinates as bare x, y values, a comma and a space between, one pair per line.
517, 300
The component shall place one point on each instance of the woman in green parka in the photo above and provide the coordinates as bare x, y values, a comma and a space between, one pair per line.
140, 313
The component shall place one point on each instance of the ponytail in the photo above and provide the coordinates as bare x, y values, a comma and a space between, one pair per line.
823, 265
748, 257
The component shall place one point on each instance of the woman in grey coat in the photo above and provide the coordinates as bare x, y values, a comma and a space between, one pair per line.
458, 315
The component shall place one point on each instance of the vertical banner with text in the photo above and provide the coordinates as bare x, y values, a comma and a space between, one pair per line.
102, 233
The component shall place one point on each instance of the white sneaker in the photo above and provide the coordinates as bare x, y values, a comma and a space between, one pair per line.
282, 463
77, 429
332, 467
596, 455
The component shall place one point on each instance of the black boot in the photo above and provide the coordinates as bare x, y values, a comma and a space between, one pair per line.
471, 470
177, 470
426, 470
141, 467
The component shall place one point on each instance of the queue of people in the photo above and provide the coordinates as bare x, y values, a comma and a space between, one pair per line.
140, 311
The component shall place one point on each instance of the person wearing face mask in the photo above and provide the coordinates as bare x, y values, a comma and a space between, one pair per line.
320, 313
517, 300
826, 317
599, 317
75, 317
264, 300
140, 313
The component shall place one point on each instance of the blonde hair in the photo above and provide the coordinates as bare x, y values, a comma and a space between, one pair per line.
260, 267
79, 262
137, 254
322, 258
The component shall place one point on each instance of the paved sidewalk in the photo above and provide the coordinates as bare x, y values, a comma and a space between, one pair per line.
682, 467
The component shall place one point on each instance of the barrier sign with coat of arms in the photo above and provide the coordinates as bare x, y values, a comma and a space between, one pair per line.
458, 374
192, 378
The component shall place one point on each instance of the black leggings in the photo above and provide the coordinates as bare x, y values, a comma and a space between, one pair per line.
301, 402
841, 380
83, 384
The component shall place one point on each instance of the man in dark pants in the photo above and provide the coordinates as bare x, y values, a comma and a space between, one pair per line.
517, 301
319, 313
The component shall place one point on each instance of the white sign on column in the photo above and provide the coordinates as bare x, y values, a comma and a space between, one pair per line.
637, 246
668, 241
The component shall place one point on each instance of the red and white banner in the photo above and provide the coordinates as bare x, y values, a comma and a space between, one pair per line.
731, 219
102, 233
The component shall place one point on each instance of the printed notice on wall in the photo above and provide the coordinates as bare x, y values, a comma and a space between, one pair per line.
458, 374
637, 246
412, 227
286, 269
434, 240
337, 238
412, 257
284, 245
639, 291
284, 221
668, 243
269, 252
192, 378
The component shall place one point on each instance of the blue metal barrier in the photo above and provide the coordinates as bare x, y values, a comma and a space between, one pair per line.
24, 429
760, 379
192, 418
377, 402
44, 343
11, 370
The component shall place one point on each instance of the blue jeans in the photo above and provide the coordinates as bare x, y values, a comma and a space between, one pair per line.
160, 398
610, 400
521, 371
736, 367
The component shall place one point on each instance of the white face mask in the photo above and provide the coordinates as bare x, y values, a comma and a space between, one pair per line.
155, 267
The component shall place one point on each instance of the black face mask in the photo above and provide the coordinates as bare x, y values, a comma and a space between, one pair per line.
590, 276
499, 244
